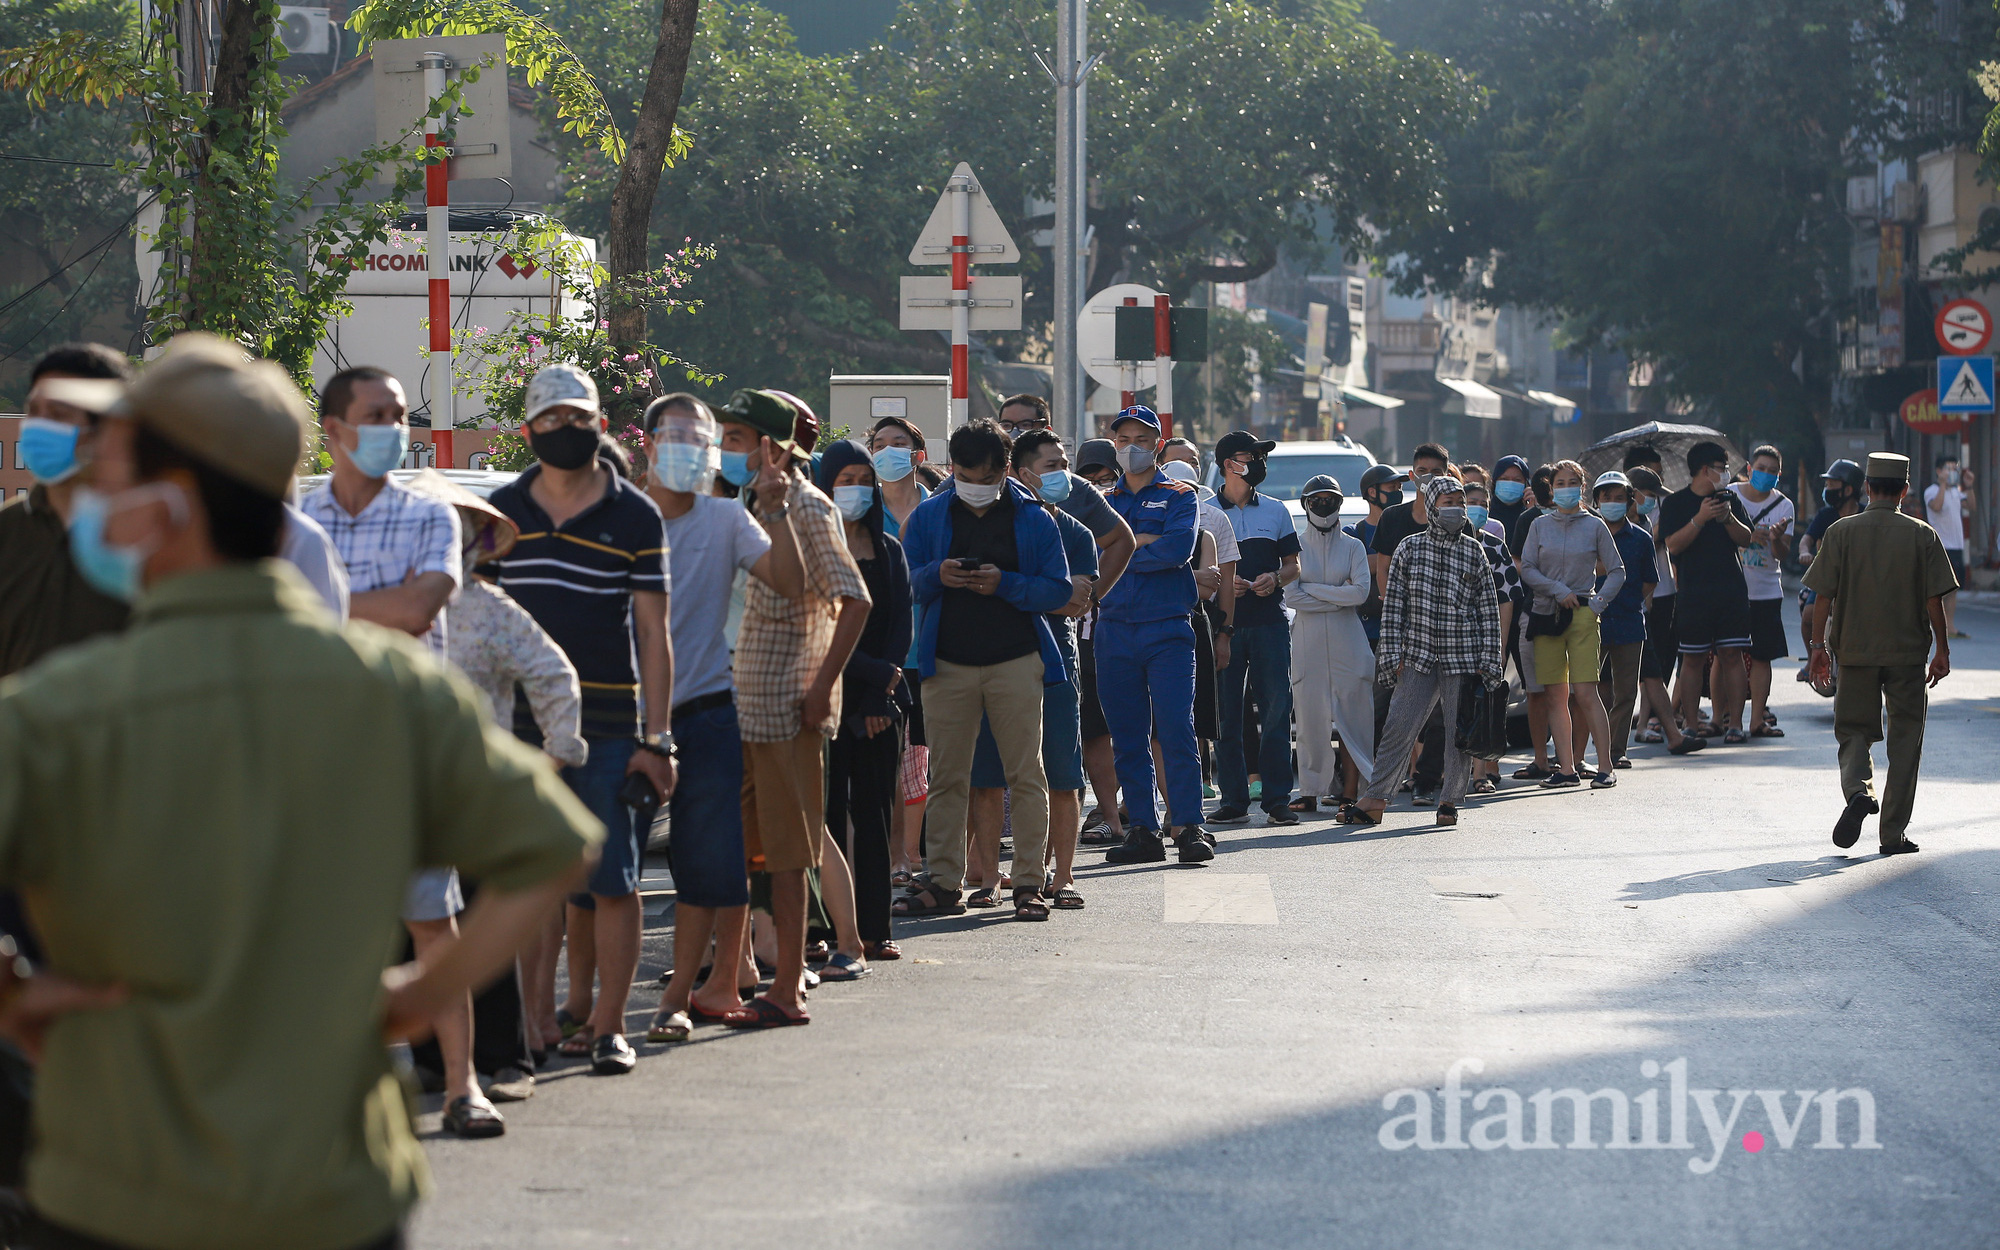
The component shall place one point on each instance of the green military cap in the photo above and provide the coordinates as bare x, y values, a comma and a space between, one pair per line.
1887, 464
766, 412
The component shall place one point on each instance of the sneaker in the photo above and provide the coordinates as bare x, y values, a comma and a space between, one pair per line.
1282, 816
509, 1084
1847, 830
1604, 781
1206, 836
1193, 846
1141, 846
1561, 781
1228, 814
1905, 847
1424, 798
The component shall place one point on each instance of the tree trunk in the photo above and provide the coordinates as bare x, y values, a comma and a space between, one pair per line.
245, 42
645, 158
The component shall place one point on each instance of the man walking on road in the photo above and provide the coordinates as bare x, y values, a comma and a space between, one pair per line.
1881, 579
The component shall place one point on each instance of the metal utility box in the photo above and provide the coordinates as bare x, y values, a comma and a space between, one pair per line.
858, 402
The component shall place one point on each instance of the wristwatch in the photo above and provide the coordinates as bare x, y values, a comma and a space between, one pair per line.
661, 743
1227, 631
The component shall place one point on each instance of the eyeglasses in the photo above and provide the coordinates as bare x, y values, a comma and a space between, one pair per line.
1022, 427
555, 420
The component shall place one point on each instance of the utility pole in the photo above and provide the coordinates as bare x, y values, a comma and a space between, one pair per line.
1071, 252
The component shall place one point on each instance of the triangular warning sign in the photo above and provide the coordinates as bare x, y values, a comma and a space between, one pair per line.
1965, 391
991, 243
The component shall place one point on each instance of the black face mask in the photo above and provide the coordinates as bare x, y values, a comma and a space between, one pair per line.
1388, 498
1253, 473
1323, 505
1834, 498
565, 447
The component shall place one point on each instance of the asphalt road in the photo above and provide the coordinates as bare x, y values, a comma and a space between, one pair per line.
1201, 1057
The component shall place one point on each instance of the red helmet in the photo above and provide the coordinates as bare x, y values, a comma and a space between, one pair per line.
805, 428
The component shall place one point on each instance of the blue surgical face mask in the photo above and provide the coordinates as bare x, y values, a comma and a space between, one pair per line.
115, 571
1648, 506
1054, 486
1567, 496
1762, 482
893, 464
1612, 511
1509, 491
48, 448
682, 467
736, 468
854, 501
1476, 515
379, 448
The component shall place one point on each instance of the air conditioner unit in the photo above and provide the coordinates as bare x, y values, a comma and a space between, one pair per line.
1903, 202
1864, 196
305, 32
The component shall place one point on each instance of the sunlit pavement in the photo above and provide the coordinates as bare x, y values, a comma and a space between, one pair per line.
1201, 1057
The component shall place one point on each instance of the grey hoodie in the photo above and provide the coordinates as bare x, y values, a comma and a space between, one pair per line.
1562, 556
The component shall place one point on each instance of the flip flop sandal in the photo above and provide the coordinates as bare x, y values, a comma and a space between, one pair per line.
1533, 772
929, 900
762, 1013
1305, 803
611, 1055
1028, 905
577, 1045
669, 1026
844, 967
466, 1118
1447, 814
1101, 836
901, 878
1067, 899
984, 896
698, 1014
1735, 736
1355, 814
569, 1024
882, 950
1651, 735
1767, 731
1485, 786
818, 952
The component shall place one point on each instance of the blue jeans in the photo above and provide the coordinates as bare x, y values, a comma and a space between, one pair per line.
597, 784
706, 846
1262, 654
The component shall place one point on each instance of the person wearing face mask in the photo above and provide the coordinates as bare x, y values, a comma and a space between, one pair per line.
1656, 662
1399, 523
591, 568
1772, 517
864, 761
1260, 659
1567, 548
218, 812
1840, 496
1146, 650
1944, 508
1622, 629
986, 565
1440, 629
1381, 489
1513, 602
897, 449
1704, 527
1096, 462
1333, 667
45, 602
1510, 492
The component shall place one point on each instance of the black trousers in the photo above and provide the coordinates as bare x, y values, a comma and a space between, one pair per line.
39, 1234
862, 784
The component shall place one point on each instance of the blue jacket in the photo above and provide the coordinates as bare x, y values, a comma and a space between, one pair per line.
1157, 585
1043, 584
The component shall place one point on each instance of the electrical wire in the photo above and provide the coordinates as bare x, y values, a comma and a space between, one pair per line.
50, 160
101, 243
60, 311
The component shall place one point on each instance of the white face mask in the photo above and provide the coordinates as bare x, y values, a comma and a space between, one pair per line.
976, 496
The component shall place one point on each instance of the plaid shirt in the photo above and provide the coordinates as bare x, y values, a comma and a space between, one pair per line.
1440, 611
399, 533
784, 641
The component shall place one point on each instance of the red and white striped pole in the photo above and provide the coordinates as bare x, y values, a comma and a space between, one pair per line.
437, 250
1128, 372
960, 188
1163, 364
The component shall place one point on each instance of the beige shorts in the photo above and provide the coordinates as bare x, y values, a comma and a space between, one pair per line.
784, 802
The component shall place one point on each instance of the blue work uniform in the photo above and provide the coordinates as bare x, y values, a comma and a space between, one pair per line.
1145, 653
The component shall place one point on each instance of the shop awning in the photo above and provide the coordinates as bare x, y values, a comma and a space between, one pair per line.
1565, 409
1369, 399
1480, 401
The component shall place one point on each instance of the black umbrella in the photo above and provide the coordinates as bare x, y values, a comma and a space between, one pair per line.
1671, 441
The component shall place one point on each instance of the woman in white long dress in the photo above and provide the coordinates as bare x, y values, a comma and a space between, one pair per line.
1333, 668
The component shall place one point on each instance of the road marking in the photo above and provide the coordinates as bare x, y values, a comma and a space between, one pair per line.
1493, 902
1219, 898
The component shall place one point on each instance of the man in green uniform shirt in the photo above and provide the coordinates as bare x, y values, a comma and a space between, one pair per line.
212, 819
1881, 578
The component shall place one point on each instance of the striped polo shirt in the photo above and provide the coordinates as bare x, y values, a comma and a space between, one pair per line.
577, 580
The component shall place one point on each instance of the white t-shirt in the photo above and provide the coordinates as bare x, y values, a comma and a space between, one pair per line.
706, 546
1944, 508
1761, 572
1216, 524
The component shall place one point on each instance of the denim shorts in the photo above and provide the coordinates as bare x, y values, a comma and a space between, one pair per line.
706, 847
1062, 744
597, 784
433, 894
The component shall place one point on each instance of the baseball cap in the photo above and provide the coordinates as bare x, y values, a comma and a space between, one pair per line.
768, 413
561, 384
1137, 412
1096, 453
1379, 475
242, 417
1236, 442
1611, 477
805, 424
1319, 484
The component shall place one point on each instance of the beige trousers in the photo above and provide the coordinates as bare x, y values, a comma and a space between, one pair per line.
1010, 697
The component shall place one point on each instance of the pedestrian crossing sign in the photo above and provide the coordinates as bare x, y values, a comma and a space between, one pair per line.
1965, 384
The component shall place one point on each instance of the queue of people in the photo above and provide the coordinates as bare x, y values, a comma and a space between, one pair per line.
253, 753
